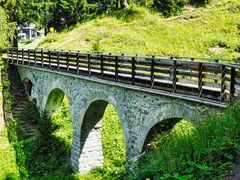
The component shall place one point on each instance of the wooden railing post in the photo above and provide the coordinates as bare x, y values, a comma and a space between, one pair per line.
18, 57
200, 82
77, 59
35, 57
152, 71
116, 68
28, 57
42, 57
174, 85
49, 59
223, 86
12, 55
8, 56
22, 56
58, 63
67, 60
101, 65
89, 65
133, 70
232, 83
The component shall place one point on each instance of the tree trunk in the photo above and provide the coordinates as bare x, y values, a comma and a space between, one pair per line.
124, 4
117, 4
45, 31
15, 39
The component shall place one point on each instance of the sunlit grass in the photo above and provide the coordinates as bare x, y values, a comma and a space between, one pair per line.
114, 148
191, 34
8, 166
62, 119
188, 152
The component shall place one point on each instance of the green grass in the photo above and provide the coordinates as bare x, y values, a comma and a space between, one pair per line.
114, 148
47, 155
204, 32
9, 169
188, 152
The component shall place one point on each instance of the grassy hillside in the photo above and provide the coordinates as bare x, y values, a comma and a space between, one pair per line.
211, 31
8, 168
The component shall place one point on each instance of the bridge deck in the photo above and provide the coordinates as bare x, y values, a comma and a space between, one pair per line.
207, 82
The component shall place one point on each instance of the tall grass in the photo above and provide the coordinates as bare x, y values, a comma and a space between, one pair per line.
205, 151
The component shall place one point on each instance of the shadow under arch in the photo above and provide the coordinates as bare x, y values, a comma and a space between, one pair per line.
91, 152
168, 115
27, 84
54, 100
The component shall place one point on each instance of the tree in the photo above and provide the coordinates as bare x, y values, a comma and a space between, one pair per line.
45, 10
6, 30
20, 12
64, 13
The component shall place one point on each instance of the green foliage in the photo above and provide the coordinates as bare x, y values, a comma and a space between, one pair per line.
200, 2
169, 7
114, 148
6, 30
96, 46
237, 49
201, 152
30, 113
8, 168
12, 130
129, 14
51, 38
5, 83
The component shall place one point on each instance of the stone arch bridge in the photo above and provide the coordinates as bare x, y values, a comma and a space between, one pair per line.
144, 91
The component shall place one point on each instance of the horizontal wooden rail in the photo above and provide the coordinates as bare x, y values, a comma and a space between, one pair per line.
206, 81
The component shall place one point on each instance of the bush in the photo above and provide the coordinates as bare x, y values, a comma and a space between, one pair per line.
169, 7
200, 2
30, 113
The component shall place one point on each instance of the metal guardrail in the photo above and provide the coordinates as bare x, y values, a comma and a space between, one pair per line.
205, 81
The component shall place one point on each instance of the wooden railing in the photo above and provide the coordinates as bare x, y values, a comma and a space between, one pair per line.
205, 81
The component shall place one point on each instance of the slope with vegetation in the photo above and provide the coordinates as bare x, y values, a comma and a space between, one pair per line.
211, 31
186, 151
189, 152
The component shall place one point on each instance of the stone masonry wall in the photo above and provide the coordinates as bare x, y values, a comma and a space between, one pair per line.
138, 111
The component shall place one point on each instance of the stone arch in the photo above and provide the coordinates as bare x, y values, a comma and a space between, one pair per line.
91, 154
96, 96
29, 85
27, 75
168, 111
54, 100
55, 92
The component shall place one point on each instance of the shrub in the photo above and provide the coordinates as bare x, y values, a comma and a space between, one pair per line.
30, 113
200, 2
169, 7
237, 48
205, 152
96, 46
